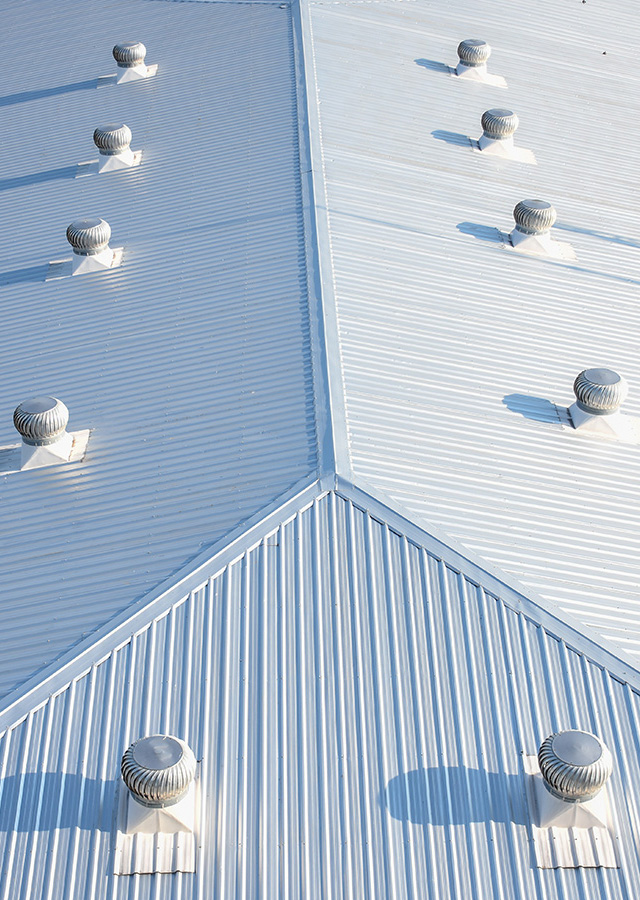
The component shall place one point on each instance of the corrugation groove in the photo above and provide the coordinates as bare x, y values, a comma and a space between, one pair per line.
459, 355
191, 363
359, 710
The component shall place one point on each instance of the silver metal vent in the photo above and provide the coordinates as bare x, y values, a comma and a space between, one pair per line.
41, 421
89, 237
600, 392
534, 216
129, 54
499, 124
575, 765
158, 770
473, 53
112, 140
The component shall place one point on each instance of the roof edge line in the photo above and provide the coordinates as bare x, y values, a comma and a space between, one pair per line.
551, 618
117, 630
328, 382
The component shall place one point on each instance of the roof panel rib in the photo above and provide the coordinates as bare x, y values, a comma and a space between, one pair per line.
456, 350
191, 363
360, 708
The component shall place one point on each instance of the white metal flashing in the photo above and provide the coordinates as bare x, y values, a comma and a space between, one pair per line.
156, 841
569, 835
479, 74
541, 245
119, 162
548, 615
97, 648
136, 73
359, 708
72, 448
504, 149
119, 629
358, 687
328, 382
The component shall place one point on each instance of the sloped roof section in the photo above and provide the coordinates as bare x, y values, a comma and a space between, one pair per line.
190, 363
360, 703
456, 350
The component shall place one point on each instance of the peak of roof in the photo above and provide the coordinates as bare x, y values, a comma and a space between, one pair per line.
427, 688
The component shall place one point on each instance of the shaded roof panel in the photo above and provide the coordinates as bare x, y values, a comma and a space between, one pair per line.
360, 708
191, 363
456, 350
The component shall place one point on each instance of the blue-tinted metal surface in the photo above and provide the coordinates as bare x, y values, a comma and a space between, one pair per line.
191, 362
359, 708
456, 350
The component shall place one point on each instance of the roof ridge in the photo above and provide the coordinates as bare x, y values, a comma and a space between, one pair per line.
117, 630
328, 381
548, 615
101, 643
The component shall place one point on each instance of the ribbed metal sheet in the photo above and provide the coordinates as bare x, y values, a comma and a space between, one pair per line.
191, 363
455, 350
360, 709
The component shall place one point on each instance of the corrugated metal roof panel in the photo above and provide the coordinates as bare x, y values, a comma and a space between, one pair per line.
360, 708
455, 350
191, 363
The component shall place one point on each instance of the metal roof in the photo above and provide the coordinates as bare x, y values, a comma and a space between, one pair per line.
190, 363
360, 699
454, 350
313, 332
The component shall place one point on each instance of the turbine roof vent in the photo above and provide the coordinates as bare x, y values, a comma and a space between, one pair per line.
600, 392
499, 124
41, 420
112, 140
158, 770
574, 765
534, 216
89, 237
473, 53
129, 54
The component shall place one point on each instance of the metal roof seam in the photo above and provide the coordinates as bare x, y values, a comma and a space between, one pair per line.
556, 621
192, 363
118, 630
457, 356
387, 514
336, 457
360, 709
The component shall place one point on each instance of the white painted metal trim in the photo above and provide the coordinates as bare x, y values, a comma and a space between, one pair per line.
116, 632
103, 641
556, 622
331, 419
